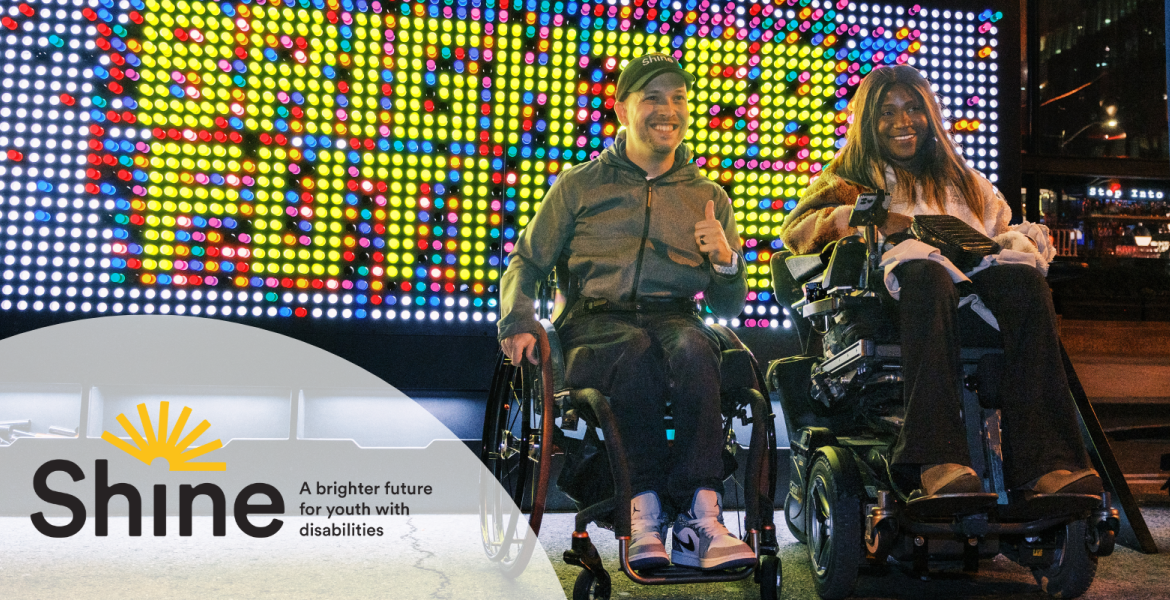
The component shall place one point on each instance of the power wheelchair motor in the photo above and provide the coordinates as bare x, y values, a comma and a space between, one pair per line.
842, 403
531, 415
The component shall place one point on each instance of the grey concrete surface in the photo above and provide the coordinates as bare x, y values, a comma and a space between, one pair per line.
1127, 574
419, 557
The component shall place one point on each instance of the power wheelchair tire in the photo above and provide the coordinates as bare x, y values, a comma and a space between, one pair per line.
588, 587
834, 531
517, 458
1073, 568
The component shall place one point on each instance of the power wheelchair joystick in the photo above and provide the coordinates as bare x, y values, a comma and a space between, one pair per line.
871, 211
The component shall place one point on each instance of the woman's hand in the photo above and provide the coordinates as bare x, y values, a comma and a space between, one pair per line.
895, 222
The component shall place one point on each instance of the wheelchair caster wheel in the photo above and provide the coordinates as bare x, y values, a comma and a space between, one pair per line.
770, 575
589, 587
1101, 543
877, 550
1073, 567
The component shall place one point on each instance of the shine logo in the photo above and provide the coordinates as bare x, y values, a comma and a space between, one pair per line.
172, 449
176, 448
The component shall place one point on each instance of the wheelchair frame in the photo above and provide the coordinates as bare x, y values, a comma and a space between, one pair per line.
528, 399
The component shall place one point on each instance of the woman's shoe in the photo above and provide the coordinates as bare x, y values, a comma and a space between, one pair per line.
1063, 481
950, 478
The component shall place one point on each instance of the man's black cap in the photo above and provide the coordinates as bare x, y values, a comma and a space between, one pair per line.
643, 69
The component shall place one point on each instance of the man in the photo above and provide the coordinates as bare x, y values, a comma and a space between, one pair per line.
644, 233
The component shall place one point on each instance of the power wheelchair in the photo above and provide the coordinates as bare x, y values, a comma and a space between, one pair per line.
532, 415
842, 402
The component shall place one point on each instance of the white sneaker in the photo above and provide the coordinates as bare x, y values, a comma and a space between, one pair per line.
702, 541
646, 530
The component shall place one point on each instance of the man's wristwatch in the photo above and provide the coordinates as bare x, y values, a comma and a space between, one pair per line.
731, 269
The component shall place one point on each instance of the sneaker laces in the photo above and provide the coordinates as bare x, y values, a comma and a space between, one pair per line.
645, 528
711, 527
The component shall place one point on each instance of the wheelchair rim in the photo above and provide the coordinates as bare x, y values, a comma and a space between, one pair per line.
508, 435
820, 534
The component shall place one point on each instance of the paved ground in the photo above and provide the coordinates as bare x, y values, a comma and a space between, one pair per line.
1126, 574
1130, 379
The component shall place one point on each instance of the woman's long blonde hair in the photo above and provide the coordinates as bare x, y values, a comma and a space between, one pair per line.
938, 160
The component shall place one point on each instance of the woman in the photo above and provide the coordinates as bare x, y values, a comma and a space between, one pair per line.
897, 142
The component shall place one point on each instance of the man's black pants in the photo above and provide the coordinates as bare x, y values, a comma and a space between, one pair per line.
1041, 431
640, 360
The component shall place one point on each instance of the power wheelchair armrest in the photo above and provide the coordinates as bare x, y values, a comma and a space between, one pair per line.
803, 267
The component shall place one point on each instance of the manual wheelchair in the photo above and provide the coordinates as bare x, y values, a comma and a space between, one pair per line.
531, 415
842, 403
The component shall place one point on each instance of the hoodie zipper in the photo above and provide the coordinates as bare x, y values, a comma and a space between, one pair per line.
645, 235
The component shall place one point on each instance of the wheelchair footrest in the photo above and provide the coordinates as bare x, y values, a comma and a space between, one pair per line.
1030, 505
674, 574
949, 505
686, 572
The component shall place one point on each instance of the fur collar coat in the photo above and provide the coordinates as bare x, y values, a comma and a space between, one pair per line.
822, 215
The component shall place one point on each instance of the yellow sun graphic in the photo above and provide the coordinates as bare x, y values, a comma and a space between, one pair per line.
173, 449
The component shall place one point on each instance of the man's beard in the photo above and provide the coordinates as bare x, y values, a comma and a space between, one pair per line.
647, 137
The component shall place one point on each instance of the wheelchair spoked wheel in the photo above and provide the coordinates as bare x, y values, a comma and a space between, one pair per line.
834, 532
1073, 567
512, 452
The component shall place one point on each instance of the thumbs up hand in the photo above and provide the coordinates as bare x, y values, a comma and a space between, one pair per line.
711, 239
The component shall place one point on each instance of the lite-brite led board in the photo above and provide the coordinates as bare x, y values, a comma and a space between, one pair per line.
293, 159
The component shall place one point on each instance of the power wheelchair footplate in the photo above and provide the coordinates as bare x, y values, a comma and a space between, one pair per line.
949, 505
1029, 505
